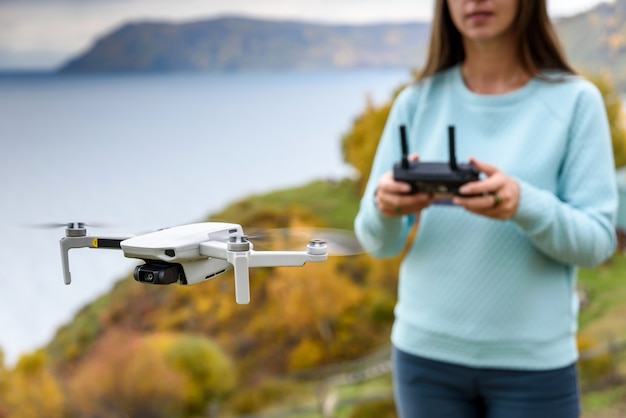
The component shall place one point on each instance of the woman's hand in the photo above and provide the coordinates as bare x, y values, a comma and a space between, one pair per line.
394, 198
498, 194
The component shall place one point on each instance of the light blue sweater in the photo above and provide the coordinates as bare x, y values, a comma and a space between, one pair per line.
487, 293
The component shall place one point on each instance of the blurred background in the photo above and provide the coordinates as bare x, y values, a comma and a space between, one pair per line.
138, 115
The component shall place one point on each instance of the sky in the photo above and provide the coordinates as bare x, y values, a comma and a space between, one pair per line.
43, 34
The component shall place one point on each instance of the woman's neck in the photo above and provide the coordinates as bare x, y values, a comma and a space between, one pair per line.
492, 68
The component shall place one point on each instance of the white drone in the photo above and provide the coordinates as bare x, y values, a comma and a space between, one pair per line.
191, 254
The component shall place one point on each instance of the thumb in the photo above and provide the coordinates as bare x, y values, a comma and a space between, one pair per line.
488, 169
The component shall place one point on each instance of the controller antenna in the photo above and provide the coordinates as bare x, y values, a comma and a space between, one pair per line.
405, 147
451, 142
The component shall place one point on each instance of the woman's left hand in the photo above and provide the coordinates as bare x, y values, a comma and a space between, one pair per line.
497, 196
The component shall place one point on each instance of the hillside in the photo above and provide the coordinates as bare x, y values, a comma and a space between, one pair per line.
298, 318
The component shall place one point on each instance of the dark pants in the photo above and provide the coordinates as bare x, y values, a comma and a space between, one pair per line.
431, 389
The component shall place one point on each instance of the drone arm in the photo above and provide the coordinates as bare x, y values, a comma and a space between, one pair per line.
282, 258
213, 249
242, 257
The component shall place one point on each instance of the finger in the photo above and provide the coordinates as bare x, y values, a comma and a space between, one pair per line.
405, 201
499, 205
414, 157
394, 205
494, 181
488, 169
477, 204
388, 184
481, 187
418, 201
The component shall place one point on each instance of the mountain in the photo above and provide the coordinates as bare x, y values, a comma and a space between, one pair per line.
235, 43
595, 41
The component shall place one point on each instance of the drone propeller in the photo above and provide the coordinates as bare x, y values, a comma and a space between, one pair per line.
51, 225
68, 225
340, 242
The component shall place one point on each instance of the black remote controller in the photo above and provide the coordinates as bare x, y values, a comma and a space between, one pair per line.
434, 177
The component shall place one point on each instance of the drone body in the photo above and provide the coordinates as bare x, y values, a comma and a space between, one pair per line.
191, 254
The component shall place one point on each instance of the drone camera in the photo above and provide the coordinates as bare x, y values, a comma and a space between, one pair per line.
159, 273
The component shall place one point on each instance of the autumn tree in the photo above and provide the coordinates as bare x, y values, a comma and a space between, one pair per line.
3, 387
123, 377
209, 373
360, 143
615, 113
310, 302
151, 376
31, 390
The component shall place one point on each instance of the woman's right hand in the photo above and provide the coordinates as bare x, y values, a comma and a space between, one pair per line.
394, 198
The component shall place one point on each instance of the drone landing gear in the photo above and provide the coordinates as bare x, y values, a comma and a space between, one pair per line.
76, 237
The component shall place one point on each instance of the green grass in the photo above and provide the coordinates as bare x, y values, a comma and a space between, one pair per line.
603, 321
604, 316
335, 203
608, 403
303, 401
594, 402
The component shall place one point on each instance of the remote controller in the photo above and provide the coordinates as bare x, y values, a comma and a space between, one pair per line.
434, 177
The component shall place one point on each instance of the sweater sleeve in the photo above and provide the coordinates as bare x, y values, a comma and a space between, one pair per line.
576, 225
381, 236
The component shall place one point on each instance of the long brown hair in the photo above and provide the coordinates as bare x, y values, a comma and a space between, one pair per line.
537, 43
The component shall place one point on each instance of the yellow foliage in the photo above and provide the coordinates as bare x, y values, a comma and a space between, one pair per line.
209, 371
360, 144
72, 352
31, 390
248, 401
174, 320
30, 364
596, 364
203, 306
307, 354
310, 296
615, 114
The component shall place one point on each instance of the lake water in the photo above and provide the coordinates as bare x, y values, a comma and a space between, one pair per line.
143, 152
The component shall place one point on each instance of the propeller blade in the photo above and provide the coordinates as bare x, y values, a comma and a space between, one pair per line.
55, 225
340, 242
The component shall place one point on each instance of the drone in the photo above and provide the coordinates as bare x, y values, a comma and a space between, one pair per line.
191, 254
